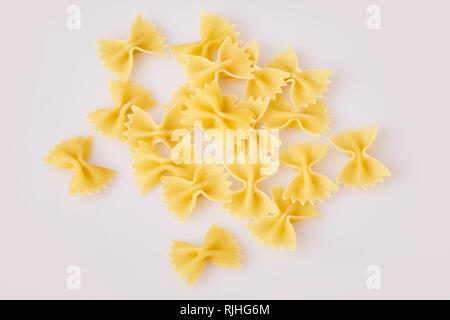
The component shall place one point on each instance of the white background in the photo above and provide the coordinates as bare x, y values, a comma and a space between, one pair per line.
396, 77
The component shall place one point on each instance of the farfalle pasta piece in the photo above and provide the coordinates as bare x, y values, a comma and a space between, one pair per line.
362, 170
124, 94
312, 119
213, 31
118, 54
307, 186
180, 97
219, 248
257, 106
149, 166
277, 230
267, 82
216, 111
181, 194
232, 63
72, 155
141, 127
248, 202
307, 85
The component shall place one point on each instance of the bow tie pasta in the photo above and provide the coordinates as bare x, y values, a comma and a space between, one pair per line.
124, 94
232, 63
267, 82
149, 166
216, 111
181, 194
219, 248
277, 230
307, 186
248, 202
362, 170
307, 85
72, 155
141, 127
213, 31
118, 54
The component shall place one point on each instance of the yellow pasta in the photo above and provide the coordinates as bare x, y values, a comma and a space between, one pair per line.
180, 97
307, 85
219, 247
181, 194
277, 230
149, 166
216, 111
267, 82
141, 127
124, 94
312, 119
232, 63
213, 31
362, 170
307, 186
257, 106
118, 54
248, 202
72, 155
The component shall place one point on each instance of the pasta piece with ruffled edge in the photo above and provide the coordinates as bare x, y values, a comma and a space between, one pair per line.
149, 166
257, 106
267, 82
277, 230
219, 248
216, 111
307, 186
249, 201
213, 31
232, 63
180, 97
181, 194
124, 94
141, 127
118, 54
312, 119
307, 85
362, 170
72, 155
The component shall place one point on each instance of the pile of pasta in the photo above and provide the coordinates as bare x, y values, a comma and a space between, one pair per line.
277, 96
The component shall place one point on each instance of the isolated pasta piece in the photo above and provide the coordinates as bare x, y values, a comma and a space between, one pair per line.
362, 170
248, 202
124, 94
213, 31
118, 54
312, 119
149, 166
141, 127
219, 247
307, 85
216, 111
232, 63
307, 186
277, 230
267, 82
72, 155
181, 194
